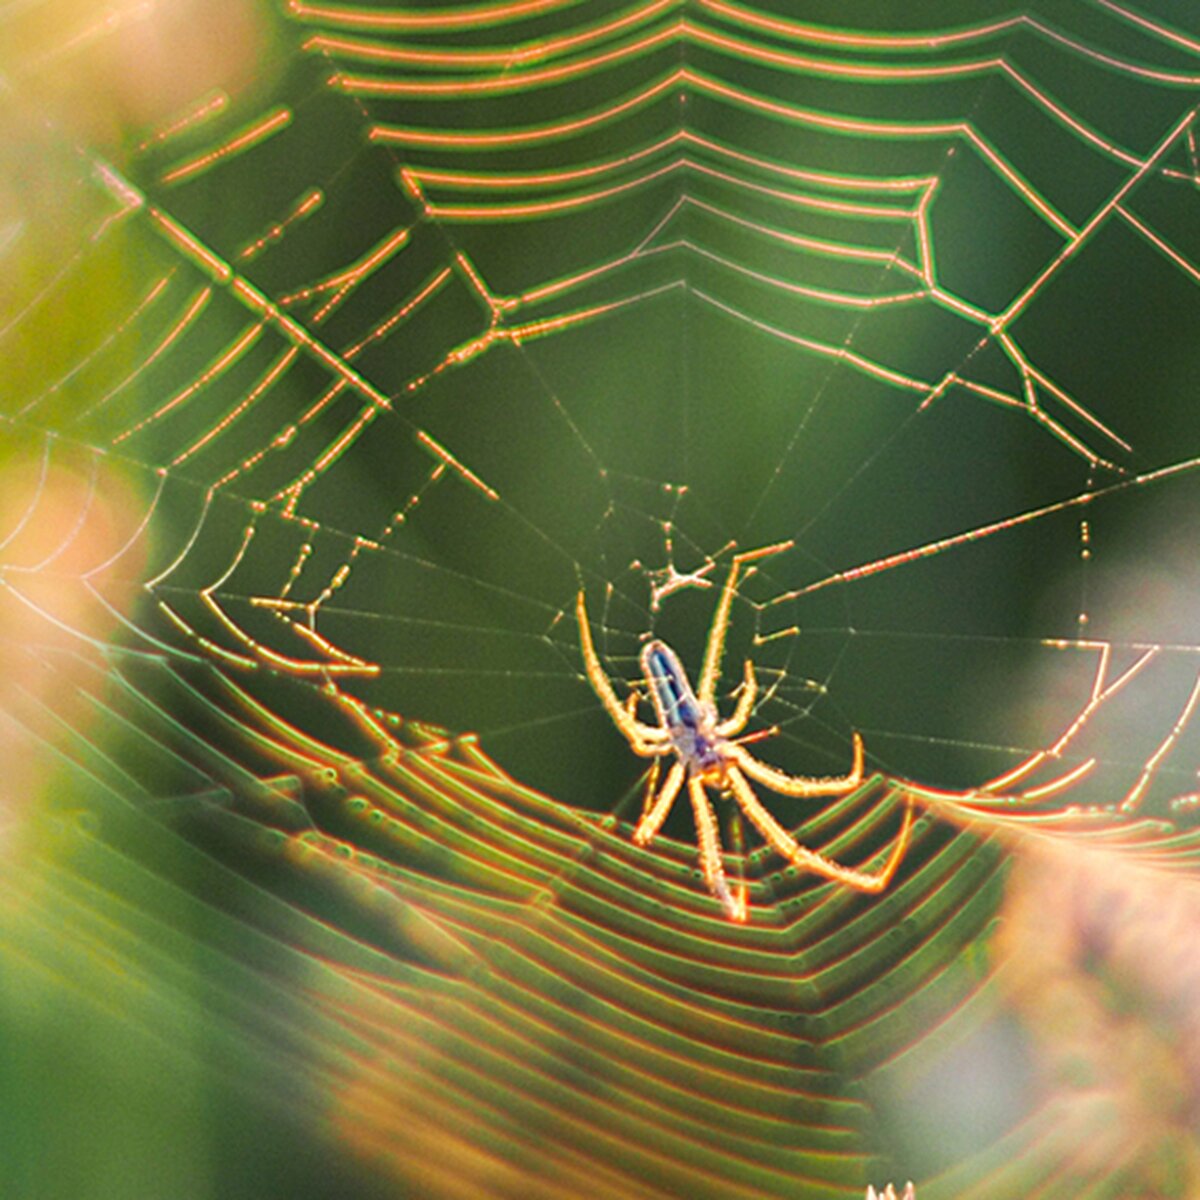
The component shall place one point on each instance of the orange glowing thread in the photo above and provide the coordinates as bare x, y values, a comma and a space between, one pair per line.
981, 390
1165, 32
1018, 772
570, 282
305, 206
348, 665
249, 295
294, 574
476, 281
309, 634
1101, 692
508, 81
343, 280
953, 303
282, 605
290, 494
430, 288
1137, 793
518, 334
1029, 377
1170, 78
298, 335
222, 363
205, 643
983, 531
282, 662
900, 183
499, 212
325, 646
205, 109
281, 364
833, 68
683, 77
1160, 243
1081, 237
322, 402
844, 208
122, 190
822, 35
891, 129
812, 245
474, 139
508, 180
688, 32
245, 139
428, 19
410, 184
1061, 783
503, 56
347, 438
1068, 401
215, 267
464, 353
282, 740
792, 241
924, 241
440, 451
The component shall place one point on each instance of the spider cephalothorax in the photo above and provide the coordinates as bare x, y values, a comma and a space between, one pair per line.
708, 753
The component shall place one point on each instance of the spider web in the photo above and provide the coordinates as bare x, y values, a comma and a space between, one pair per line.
323, 396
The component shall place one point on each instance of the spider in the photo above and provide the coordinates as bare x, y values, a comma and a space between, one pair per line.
708, 753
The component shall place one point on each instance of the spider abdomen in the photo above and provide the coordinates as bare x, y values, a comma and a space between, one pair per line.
690, 724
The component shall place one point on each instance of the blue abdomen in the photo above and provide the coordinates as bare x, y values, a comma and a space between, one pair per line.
675, 701
678, 709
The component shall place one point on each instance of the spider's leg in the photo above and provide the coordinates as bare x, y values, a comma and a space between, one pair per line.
710, 853
643, 739
801, 856
801, 785
741, 714
656, 813
713, 652
652, 740
711, 671
650, 788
